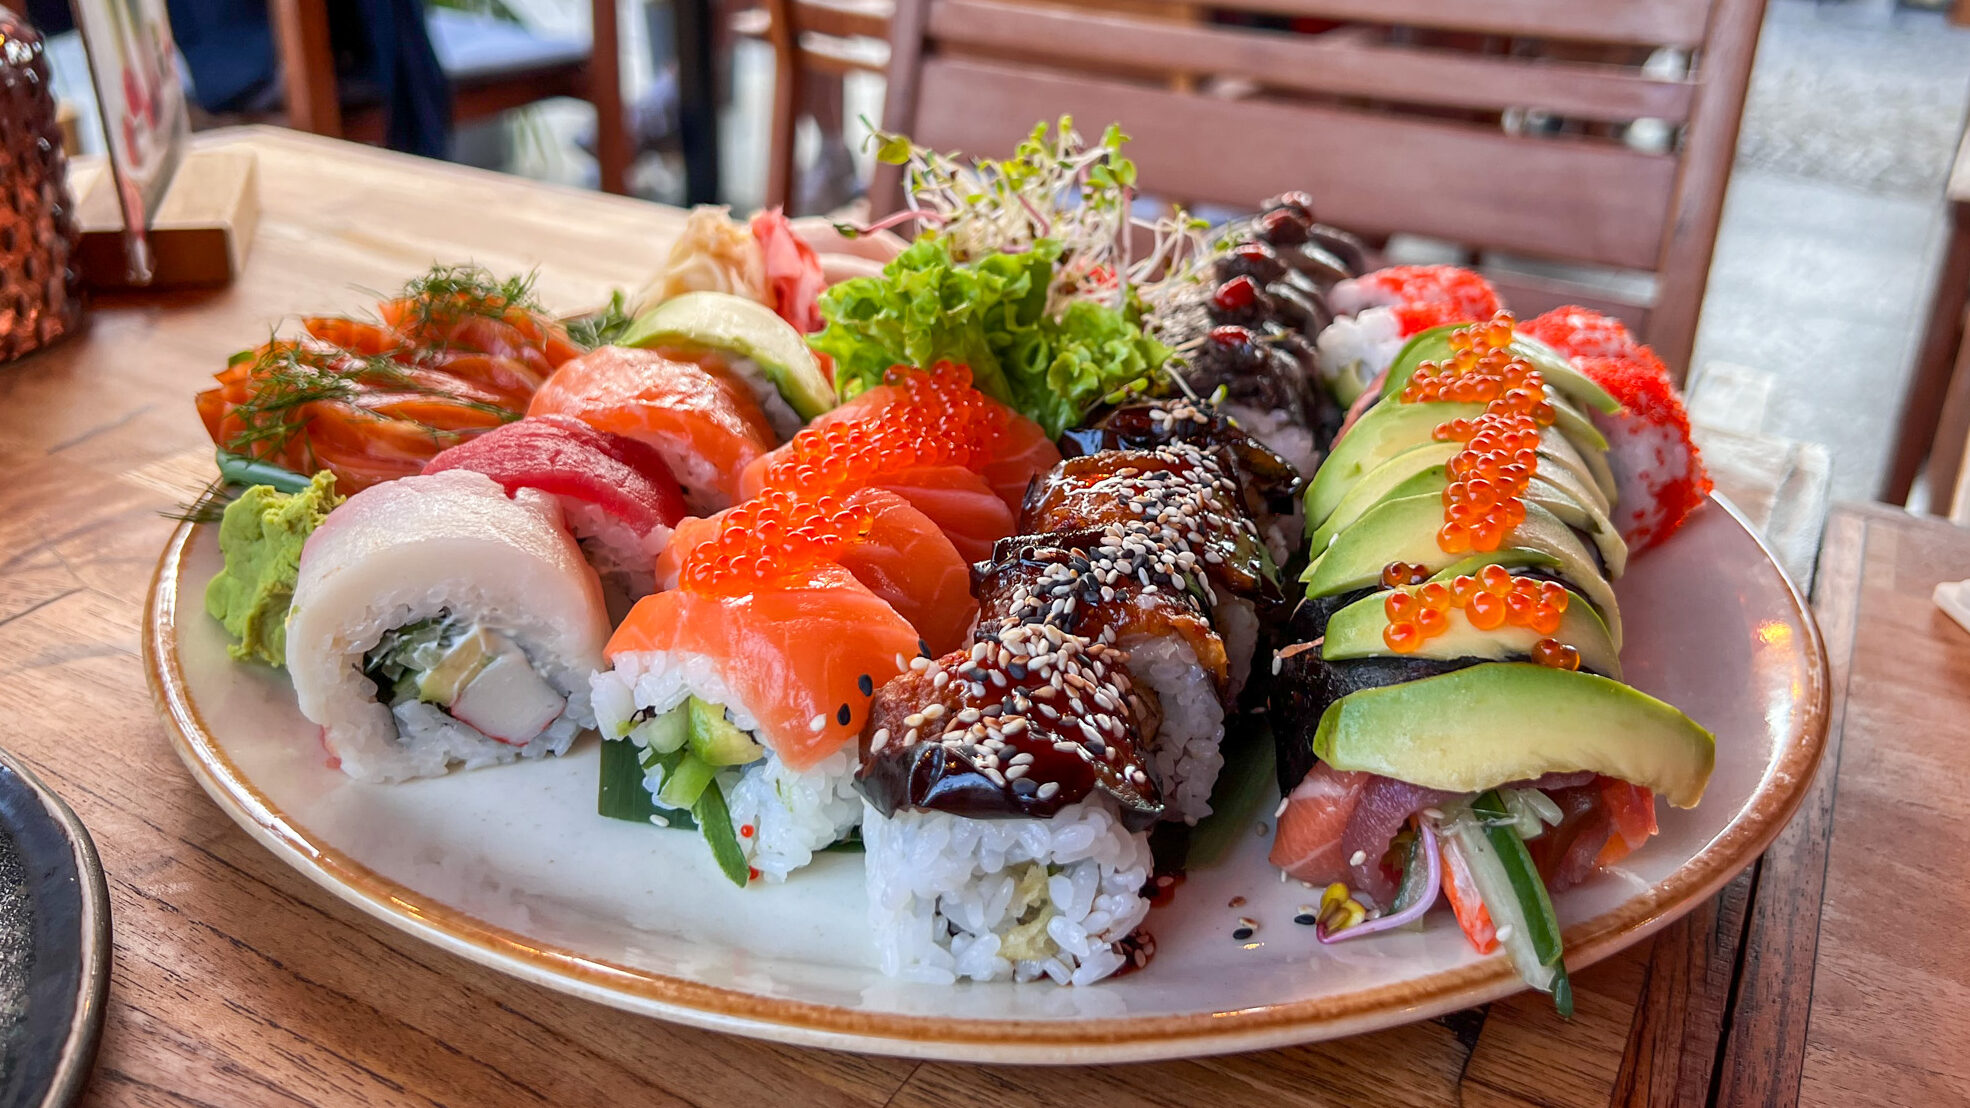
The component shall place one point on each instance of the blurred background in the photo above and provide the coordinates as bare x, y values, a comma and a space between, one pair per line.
1832, 313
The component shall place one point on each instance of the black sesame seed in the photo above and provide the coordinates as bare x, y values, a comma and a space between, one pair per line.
1242, 933
923, 648
843, 715
1306, 919
867, 686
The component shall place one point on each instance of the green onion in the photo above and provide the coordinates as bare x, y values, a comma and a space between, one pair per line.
621, 793
237, 469
715, 820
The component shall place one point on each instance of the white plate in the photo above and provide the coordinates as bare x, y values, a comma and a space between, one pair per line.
512, 867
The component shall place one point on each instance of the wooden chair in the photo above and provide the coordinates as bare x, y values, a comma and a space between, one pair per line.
492, 67
836, 37
1389, 135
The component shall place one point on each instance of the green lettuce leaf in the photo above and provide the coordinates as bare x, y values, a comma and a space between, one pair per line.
990, 315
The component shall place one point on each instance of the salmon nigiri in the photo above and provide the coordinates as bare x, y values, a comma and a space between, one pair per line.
976, 431
707, 426
904, 559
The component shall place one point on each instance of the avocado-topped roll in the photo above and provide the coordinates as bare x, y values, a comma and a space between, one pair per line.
437, 622
1007, 797
1452, 716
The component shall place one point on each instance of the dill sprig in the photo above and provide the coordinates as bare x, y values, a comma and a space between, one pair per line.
447, 294
289, 376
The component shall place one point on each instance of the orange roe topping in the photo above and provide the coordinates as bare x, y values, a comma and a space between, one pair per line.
775, 536
1489, 600
1404, 573
939, 420
1501, 443
1556, 654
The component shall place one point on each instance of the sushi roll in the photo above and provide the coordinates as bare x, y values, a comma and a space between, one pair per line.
1451, 717
437, 621
1268, 484
1658, 471
1179, 501
744, 687
1007, 800
1178, 661
615, 493
1376, 314
704, 422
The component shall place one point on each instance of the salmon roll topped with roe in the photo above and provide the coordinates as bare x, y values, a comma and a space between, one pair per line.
744, 687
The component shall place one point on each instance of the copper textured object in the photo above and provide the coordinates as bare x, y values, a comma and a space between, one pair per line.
40, 293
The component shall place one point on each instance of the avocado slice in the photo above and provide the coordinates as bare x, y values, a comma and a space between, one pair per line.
1558, 489
1433, 345
734, 325
1392, 428
1383, 431
1356, 632
717, 741
464, 661
1405, 531
1481, 727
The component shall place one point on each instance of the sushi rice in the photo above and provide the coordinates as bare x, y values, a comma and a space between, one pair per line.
1184, 754
953, 897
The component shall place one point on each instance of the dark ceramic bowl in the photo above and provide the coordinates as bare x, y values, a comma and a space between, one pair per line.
54, 944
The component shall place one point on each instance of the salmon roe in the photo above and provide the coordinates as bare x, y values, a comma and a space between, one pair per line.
1556, 654
775, 536
1500, 455
1490, 600
1404, 573
940, 420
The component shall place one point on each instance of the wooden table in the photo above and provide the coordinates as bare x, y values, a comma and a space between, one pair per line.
236, 981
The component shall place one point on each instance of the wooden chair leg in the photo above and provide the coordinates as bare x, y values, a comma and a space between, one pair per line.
1951, 433
612, 153
307, 63
788, 85
1915, 432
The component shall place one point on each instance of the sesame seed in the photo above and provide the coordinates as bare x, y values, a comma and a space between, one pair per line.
933, 711
1358, 857
1049, 790
1306, 917
867, 684
1017, 770
914, 719
818, 724
1505, 933
1281, 810
879, 740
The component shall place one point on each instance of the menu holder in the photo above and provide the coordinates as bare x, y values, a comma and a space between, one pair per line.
200, 229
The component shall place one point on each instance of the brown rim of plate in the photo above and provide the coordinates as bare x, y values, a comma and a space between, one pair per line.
1769, 807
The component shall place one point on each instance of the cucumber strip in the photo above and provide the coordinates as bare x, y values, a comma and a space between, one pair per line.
1243, 787
715, 820
1512, 891
620, 792
685, 782
665, 733
237, 469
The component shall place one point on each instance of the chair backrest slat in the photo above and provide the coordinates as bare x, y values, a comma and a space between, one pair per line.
842, 18
1333, 64
1642, 22
1556, 197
